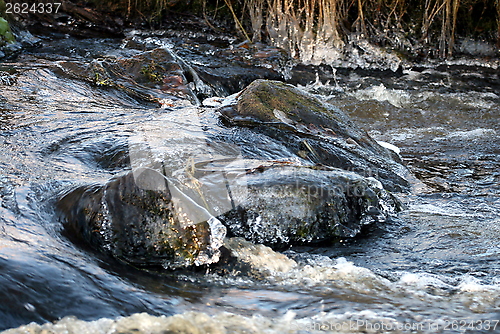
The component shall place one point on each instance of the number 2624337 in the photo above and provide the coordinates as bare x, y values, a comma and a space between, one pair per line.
26, 8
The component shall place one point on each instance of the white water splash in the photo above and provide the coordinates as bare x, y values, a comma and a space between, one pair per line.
469, 135
396, 97
389, 146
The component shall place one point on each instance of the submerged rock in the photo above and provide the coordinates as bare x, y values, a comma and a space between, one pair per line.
275, 203
142, 219
314, 130
222, 64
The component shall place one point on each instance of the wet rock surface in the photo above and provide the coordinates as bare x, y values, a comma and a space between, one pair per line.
151, 75
286, 206
276, 167
231, 69
274, 164
155, 69
138, 220
315, 131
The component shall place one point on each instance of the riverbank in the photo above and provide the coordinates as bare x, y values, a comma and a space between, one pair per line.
344, 34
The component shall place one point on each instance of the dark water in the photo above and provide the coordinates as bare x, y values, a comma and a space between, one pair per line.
438, 263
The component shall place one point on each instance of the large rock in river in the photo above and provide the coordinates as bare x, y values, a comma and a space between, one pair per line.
292, 205
140, 218
153, 75
316, 131
288, 170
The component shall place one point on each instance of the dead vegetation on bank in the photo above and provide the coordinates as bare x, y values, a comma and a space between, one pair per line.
429, 26
422, 28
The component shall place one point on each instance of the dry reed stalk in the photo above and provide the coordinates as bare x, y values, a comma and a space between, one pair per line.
432, 8
304, 27
456, 5
448, 25
256, 11
361, 19
238, 23
329, 22
397, 14
497, 3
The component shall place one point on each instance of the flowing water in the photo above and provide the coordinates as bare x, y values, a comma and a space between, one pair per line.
436, 268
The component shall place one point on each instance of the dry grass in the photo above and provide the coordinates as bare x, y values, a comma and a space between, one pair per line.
306, 27
301, 26
497, 5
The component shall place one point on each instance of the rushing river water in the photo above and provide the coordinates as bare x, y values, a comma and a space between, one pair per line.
436, 268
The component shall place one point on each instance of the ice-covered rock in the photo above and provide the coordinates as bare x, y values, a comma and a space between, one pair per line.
142, 219
314, 130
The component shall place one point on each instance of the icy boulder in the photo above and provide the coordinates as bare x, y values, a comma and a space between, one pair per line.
291, 205
140, 218
314, 130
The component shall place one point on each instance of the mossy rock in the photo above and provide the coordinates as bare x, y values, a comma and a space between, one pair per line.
6, 35
135, 220
151, 76
315, 131
277, 103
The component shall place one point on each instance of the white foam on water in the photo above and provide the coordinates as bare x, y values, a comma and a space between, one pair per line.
322, 90
479, 297
440, 210
423, 280
461, 102
476, 62
466, 290
396, 97
219, 102
470, 292
405, 134
322, 273
213, 102
365, 321
469, 135
398, 135
259, 257
389, 146
337, 273
472, 284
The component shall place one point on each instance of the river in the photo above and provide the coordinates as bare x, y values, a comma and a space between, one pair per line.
433, 269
